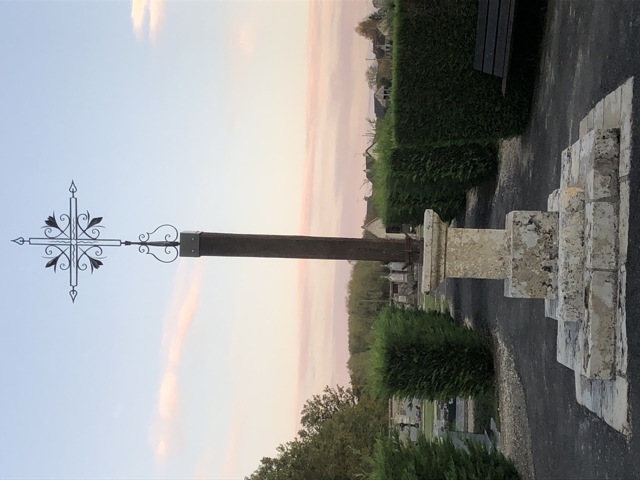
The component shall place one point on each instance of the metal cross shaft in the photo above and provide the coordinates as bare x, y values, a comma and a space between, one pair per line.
72, 242
197, 244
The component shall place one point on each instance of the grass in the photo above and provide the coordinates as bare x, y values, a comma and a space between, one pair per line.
430, 302
428, 416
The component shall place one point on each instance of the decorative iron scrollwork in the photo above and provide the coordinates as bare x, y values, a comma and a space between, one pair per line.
72, 242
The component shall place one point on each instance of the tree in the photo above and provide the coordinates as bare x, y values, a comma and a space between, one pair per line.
368, 28
340, 436
358, 365
320, 408
367, 295
372, 75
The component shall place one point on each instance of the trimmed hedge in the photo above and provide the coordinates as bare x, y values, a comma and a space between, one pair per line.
427, 355
410, 180
437, 96
438, 459
406, 203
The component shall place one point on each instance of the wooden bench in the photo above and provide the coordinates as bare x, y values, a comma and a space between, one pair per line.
493, 38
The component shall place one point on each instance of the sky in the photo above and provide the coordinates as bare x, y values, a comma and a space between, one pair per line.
231, 116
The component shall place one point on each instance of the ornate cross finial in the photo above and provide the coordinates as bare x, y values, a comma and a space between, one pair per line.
72, 242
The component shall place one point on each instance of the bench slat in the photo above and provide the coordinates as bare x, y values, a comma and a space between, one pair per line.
481, 32
501, 38
492, 30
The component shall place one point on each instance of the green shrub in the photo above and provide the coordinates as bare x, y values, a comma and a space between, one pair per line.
437, 97
406, 203
409, 180
427, 355
438, 459
457, 167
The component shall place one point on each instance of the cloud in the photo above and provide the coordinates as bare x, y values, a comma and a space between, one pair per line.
139, 10
332, 204
182, 311
168, 396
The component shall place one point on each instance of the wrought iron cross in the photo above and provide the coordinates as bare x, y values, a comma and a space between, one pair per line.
72, 242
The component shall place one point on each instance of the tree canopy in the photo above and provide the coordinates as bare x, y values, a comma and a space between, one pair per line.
368, 28
337, 438
367, 295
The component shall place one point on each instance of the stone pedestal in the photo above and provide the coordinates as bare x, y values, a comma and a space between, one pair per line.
573, 256
524, 254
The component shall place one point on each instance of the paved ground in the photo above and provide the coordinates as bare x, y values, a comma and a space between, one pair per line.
590, 47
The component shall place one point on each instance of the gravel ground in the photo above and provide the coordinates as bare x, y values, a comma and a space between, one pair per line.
515, 435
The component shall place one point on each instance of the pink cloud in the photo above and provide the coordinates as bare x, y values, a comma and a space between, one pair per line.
336, 109
151, 10
182, 311
168, 396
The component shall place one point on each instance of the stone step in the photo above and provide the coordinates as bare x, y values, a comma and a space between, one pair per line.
532, 250
551, 304
571, 223
600, 151
597, 331
606, 398
568, 346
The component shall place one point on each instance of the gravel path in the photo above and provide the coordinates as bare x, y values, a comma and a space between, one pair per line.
515, 435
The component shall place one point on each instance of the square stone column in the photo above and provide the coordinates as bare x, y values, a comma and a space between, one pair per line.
476, 253
460, 252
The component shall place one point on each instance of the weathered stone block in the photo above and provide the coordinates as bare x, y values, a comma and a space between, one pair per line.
567, 344
575, 179
578, 387
620, 410
551, 308
615, 405
623, 222
600, 154
626, 100
553, 200
601, 235
625, 148
621, 323
565, 167
589, 393
475, 253
571, 255
598, 115
435, 241
582, 128
532, 242
597, 331
612, 109
589, 118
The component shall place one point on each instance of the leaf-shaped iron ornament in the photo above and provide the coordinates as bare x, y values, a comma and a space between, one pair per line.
95, 263
51, 221
53, 262
72, 242
94, 221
